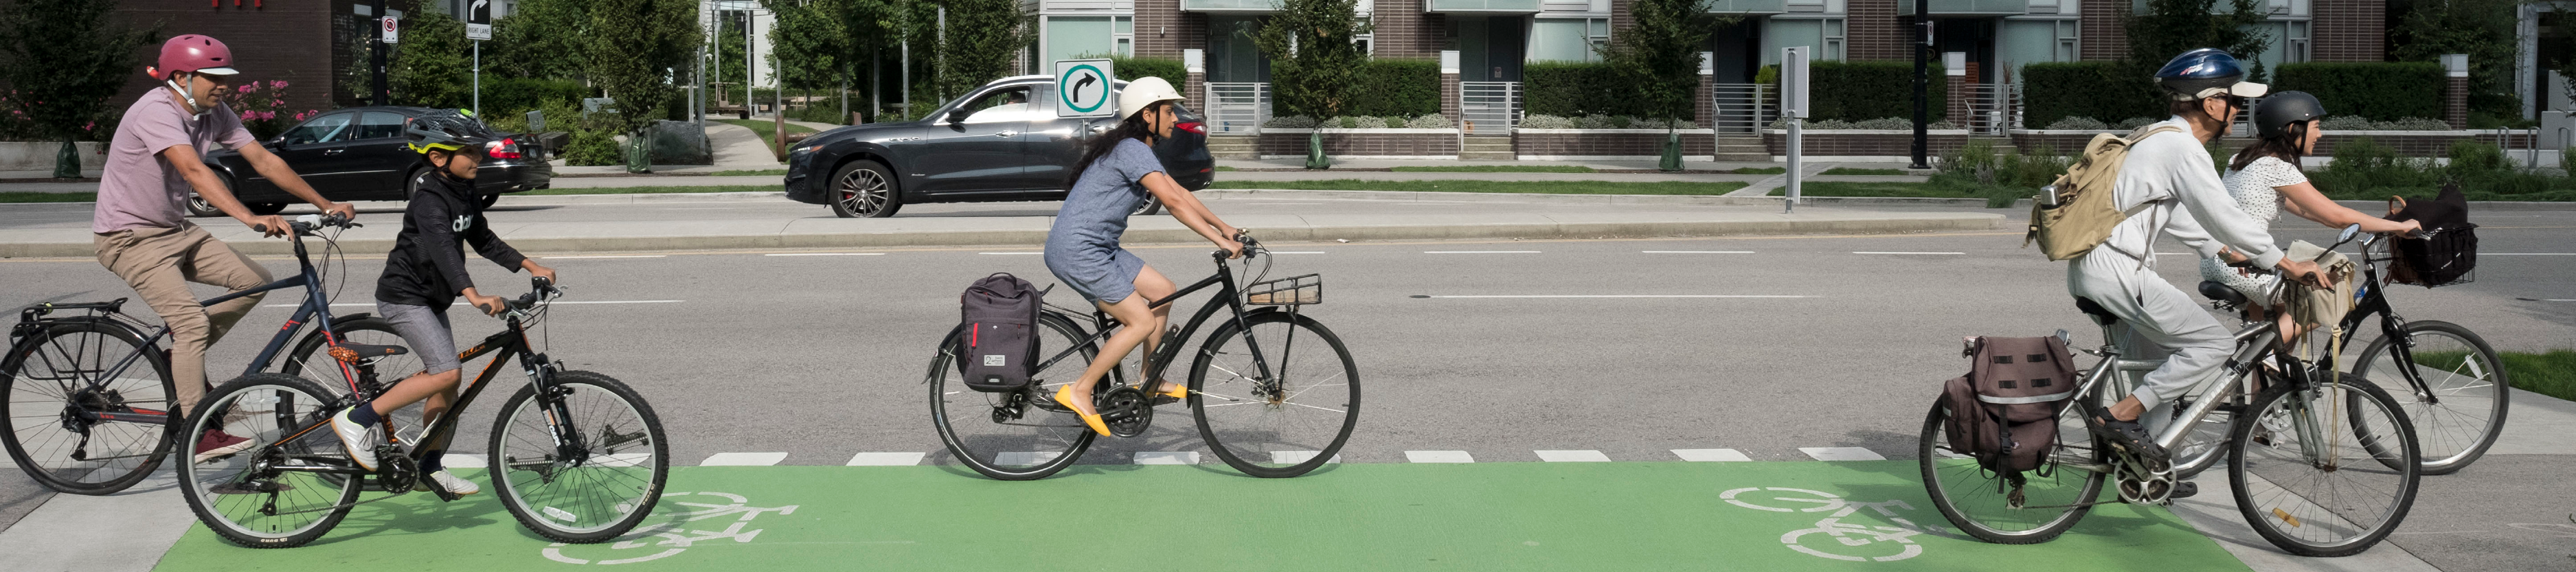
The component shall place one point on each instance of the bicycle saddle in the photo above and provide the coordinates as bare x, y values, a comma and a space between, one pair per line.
2100, 315
2221, 292
355, 352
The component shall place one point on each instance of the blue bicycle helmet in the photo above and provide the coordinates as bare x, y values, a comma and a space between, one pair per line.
2203, 73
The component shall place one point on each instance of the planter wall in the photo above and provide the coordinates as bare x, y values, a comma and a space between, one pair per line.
1626, 143
1407, 143
39, 156
2407, 143
1863, 142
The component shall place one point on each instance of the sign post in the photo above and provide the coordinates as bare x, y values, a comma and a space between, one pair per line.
1082, 88
1793, 106
478, 27
389, 27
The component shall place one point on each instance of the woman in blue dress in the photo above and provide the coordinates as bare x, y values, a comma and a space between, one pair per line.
1117, 172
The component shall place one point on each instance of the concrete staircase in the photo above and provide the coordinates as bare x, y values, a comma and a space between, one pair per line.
1488, 148
1742, 149
1234, 146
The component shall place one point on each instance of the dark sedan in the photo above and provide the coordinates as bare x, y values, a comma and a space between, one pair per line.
357, 154
1001, 142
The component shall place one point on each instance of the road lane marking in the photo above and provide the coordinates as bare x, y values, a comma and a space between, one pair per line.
604, 256
1842, 454
1480, 252
461, 461
1612, 296
884, 460
1295, 252
742, 459
1025, 458
827, 254
1893, 252
1295, 457
2528, 253
1010, 253
1696, 252
1572, 456
1711, 455
1167, 457
1439, 457
462, 303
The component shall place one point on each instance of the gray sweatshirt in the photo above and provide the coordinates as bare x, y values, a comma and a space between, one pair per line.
2192, 204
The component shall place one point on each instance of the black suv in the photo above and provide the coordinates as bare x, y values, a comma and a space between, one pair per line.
1001, 142
357, 154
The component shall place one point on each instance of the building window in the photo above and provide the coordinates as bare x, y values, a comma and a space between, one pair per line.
1078, 37
1833, 40
2295, 48
1122, 36
2068, 44
1568, 39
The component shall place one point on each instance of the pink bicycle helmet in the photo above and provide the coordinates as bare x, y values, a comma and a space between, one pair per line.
194, 53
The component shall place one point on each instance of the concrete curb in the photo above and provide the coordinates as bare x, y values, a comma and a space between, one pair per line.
1571, 226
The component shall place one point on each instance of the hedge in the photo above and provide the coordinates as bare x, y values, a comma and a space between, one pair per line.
1397, 87
1865, 90
1573, 90
1132, 69
510, 96
2102, 90
2383, 91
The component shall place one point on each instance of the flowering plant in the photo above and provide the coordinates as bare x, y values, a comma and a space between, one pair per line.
262, 105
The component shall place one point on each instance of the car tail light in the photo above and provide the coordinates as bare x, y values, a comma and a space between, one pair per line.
1192, 126
506, 148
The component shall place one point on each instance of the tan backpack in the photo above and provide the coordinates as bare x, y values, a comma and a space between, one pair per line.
2082, 214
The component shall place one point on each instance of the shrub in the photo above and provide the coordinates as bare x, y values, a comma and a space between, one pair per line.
1428, 121
2471, 158
1566, 89
2362, 165
2375, 90
2134, 123
1543, 121
591, 147
1132, 69
2001, 177
1363, 122
509, 96
2083, 123
1860, 90
2053, 91
1291, 122
1397, 87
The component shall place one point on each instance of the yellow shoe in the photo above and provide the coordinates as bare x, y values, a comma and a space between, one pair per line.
1064, 397
1178, 393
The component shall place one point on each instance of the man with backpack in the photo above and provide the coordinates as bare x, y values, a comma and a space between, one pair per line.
2168, 186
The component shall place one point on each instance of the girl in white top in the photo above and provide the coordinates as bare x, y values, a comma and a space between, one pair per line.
2265, 179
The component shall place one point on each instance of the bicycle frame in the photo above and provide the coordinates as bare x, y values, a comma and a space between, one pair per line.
1227, 292
509, 343
2374, 301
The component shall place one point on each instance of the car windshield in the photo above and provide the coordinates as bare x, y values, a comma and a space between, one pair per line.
324, 129
999, 104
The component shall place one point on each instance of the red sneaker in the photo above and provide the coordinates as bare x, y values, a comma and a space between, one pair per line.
217, 444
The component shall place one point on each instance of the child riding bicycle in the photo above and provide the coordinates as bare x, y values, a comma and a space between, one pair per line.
425, 274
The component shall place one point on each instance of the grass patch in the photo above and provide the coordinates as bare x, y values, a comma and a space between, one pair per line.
1840, 189
1860, 171
1527, 187
768, 135
1222, 168
655, 190
1758, 171
749, 173
24, 197
1498, 169
2552, 374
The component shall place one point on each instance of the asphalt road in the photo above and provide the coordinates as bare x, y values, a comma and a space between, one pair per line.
819, 357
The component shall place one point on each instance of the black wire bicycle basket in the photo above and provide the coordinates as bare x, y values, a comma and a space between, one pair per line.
1308, 289
2448, 257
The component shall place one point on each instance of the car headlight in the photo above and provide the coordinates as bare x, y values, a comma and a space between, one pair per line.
800, 152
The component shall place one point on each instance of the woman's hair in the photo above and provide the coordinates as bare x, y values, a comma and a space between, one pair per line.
2284, 146
1134, 127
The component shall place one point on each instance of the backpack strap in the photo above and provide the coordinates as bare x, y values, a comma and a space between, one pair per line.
2157, 230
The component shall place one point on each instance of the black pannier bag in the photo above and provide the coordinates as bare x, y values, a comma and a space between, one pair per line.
1000, 316
2004, 412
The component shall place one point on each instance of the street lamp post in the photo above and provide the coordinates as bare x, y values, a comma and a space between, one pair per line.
1922, 83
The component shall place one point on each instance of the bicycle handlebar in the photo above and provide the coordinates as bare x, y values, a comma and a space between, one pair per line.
540, 290
1251, 247
307, 224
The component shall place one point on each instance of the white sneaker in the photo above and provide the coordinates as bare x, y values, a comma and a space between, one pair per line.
359, 440
453, 484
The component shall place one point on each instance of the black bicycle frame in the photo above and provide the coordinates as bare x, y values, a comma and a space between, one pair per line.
508, 343
2374, 300
1227, 292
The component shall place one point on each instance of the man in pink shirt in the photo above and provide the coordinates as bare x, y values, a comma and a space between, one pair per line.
142, 231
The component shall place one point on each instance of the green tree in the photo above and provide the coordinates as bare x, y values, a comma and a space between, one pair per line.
2424, 30
810, 42
433, 65
634, 48
1313, 62
2167, 28
982, 39
540, 39
1658, 57
730, 45
65, 60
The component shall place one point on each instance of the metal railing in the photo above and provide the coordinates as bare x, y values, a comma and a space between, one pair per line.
1492, 105
1992, 108
1744, 108
1237, 107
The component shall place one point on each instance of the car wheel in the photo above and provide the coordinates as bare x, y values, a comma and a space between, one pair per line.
1149, 207
412, 182
485, 201
864, 189
265, 209
198, 207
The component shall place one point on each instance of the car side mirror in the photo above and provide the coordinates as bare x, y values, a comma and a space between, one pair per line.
958, 116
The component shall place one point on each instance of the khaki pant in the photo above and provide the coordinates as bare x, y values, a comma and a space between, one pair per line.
159, 263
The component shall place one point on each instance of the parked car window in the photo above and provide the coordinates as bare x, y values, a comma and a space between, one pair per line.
381, 125
1006, 104
324, 129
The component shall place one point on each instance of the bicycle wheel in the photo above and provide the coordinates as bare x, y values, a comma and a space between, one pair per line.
594, 488
1983, 503
2462, 407
1020, 435
2314, 484
312, 360
60, 381
243, 498
1284, 414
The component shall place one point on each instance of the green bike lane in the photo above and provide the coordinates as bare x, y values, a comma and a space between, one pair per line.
1866, 515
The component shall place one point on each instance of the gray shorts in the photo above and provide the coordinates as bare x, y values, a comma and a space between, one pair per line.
425, 330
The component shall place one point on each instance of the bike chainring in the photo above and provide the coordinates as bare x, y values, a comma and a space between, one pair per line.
2142, 480
395, 471
1127, 410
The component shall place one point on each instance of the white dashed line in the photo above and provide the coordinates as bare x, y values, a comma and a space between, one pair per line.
742, 459
1439, 457
1884, 252
1295, 457
2527, 253
604, 256
827, 254
1621, 296
1711, 455
1011, 253
1841, 454
1025, 458
1697, 252
1167, 457
885, 460
1572, 456
1295, 252
1480, 252
461, 461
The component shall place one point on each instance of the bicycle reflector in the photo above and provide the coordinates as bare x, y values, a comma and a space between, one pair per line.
506, 148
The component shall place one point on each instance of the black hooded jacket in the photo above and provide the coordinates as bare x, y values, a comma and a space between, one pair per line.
427, 266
